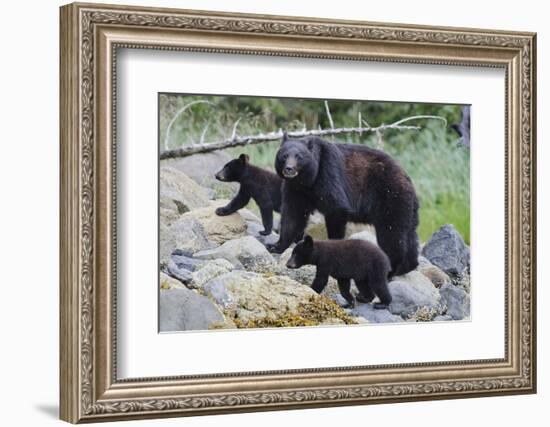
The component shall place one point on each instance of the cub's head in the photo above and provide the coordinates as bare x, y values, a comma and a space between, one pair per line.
302, 253
233, 170
298, 159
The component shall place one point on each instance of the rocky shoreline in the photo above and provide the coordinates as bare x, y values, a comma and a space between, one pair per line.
215, 272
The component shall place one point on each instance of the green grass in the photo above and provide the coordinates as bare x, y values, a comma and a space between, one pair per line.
439, 168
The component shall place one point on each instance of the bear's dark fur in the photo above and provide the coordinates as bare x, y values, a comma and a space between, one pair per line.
348, 182
261, 185
362, 261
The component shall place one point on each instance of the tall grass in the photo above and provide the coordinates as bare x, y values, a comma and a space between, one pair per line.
439, 168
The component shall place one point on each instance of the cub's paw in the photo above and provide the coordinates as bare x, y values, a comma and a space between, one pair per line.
222, 212
379, 306
363, 299
265, 232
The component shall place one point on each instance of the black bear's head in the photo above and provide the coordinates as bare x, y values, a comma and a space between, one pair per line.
233, 170
302, 253
298, 159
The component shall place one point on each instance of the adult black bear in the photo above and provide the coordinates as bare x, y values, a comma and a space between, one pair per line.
362, 261
348, 182
261, 185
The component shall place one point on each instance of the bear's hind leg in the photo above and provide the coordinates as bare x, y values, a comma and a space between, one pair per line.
394, 244
379, 283
365, 292
345, 285
267, 220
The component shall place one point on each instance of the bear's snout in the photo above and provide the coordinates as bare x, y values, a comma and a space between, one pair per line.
220, 176
290, 171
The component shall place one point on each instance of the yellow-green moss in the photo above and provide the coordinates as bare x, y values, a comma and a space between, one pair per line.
312, 313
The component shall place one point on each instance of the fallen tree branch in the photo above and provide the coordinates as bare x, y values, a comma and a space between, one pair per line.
237, 141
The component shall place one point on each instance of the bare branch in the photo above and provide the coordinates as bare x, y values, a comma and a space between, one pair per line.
236, 141
179, 112
329, 115
406, 119
234, 133
203, 133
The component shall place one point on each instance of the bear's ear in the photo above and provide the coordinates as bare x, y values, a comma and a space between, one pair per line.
308, 240
285, 136
310, 144
244, 158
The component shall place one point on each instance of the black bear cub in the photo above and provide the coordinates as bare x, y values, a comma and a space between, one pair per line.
261, 185
344, 260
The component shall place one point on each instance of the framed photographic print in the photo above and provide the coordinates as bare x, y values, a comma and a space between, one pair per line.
267, 212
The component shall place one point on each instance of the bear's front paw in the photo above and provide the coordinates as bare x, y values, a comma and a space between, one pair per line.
265, 232
222, 212
380, 306
363, 299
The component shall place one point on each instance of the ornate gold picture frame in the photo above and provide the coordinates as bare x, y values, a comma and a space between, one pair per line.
90, 37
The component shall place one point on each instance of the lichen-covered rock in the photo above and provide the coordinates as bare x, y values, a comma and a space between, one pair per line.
186, 234
183, 260
456, 300
446, 249
166, 282
206, 272
261, 300
437, 276
245, 252
373, 315
186, 310
179, 193
218, 229
410, 292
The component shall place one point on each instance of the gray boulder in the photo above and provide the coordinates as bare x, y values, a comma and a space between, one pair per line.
186, 310
245, 252
179, 193
442, 318
437, 276
177, 272
186, 234
253, 229
373, 315
183, 260
456, 300
446, 249
411, 292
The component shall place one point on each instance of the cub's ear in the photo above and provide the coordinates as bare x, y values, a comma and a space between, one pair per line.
285, 136
308, 240
244, 158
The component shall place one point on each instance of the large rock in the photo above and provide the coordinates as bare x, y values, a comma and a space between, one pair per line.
437, 276
186, 234
375, 316
251, 296
411, 292
209, 271
202, 169
456, 300
218, 229
245, 252
186, 310
446, 249
179, 193
178, 272
166, 282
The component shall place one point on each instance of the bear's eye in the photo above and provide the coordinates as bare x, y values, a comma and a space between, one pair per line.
284, 156
298, 157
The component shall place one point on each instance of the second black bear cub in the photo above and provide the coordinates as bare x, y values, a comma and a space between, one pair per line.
259, 184
344, 260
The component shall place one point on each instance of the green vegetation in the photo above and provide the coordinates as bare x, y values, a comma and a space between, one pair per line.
439, 168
